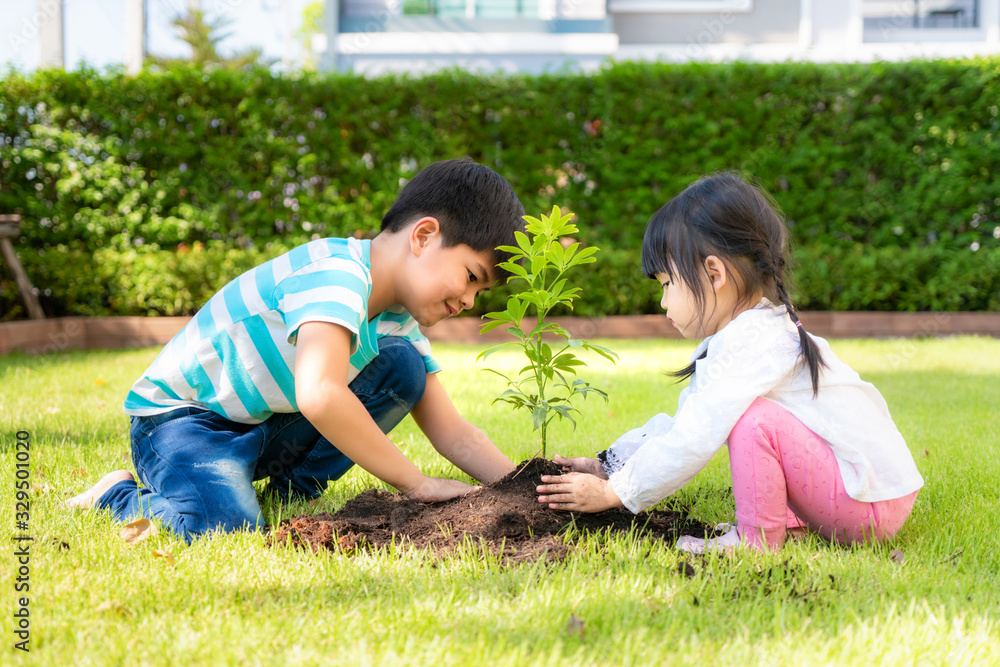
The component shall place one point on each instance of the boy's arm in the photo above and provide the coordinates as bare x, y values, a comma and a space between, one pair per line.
455, 438
323, 397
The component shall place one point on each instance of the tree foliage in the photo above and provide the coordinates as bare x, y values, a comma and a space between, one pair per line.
204, 35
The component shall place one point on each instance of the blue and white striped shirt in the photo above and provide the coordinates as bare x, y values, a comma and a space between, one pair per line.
236, 356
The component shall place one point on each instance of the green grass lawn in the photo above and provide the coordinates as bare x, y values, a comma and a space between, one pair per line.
232, 599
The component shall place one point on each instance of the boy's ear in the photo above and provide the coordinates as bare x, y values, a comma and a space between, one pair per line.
422, 232
718, 276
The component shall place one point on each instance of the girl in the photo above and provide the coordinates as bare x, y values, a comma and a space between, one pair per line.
810, 443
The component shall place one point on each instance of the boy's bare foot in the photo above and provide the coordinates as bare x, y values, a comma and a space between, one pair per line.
87, 499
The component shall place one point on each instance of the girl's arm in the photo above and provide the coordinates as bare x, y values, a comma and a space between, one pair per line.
744, 362
621, 450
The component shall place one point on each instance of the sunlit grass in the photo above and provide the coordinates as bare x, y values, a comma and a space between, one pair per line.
233, 599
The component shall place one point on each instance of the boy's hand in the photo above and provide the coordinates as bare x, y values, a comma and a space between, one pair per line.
582, 464
436, 490
577, 492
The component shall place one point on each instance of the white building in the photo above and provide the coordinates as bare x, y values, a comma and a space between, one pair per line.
374, 36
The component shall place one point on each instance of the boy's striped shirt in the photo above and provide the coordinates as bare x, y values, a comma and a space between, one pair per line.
237, 354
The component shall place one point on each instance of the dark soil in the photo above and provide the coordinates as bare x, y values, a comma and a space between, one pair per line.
505, 517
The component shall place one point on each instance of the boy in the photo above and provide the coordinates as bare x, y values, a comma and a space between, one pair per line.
297, 369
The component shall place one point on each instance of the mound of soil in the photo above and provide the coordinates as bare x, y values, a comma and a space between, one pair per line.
505, 517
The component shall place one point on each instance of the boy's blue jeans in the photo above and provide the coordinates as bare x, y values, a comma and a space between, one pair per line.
197, 466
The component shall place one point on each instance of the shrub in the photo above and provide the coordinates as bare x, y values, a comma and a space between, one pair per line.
874, 165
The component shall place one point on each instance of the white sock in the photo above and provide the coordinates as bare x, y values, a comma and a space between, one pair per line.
699, 545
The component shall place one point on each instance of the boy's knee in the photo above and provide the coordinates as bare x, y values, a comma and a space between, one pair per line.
407, 373
229, 522
243, 521
226, 512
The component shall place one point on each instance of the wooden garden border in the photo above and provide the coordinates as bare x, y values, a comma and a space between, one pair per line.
87, 333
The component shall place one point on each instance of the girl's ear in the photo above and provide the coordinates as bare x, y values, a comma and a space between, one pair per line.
718, 276
422, 232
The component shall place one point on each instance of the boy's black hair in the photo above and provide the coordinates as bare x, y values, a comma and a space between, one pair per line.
473, 204
738, 222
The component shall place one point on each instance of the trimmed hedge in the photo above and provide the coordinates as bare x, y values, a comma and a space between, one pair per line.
150, 281
884, 171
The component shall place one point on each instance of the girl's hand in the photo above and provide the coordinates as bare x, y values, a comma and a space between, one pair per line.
577, 492
582, 464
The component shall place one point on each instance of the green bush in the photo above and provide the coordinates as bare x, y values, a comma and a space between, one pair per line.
884, 171
153, 281
914, 279
146, 280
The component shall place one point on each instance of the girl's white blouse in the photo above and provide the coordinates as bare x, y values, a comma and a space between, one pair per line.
757, 355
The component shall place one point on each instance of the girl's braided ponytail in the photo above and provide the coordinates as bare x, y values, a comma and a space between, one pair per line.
810, 353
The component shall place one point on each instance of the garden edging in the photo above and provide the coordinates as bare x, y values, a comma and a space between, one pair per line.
87, 333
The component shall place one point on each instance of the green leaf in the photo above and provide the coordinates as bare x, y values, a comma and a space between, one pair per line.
567, 362
495, 372
537, 264
516, 269
490, 326
564, 410
603, 351
600, 392
557, 289
538, 416
499, 315
585, 256
523, 242
516, 307
548, 328
539, 245
530, 368
566, 413
491, 350
555, 254
514, 397
510, 401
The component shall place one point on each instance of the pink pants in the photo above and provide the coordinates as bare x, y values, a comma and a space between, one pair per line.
785, 476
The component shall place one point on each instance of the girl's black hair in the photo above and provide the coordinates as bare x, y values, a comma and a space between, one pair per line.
738, 222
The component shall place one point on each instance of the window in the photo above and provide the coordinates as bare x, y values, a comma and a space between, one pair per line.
886, 16
545, 10
472, 8
680, 6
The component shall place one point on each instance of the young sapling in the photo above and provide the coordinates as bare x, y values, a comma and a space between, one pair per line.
547, 385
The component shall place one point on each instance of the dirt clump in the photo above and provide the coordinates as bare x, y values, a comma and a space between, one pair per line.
505, 517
